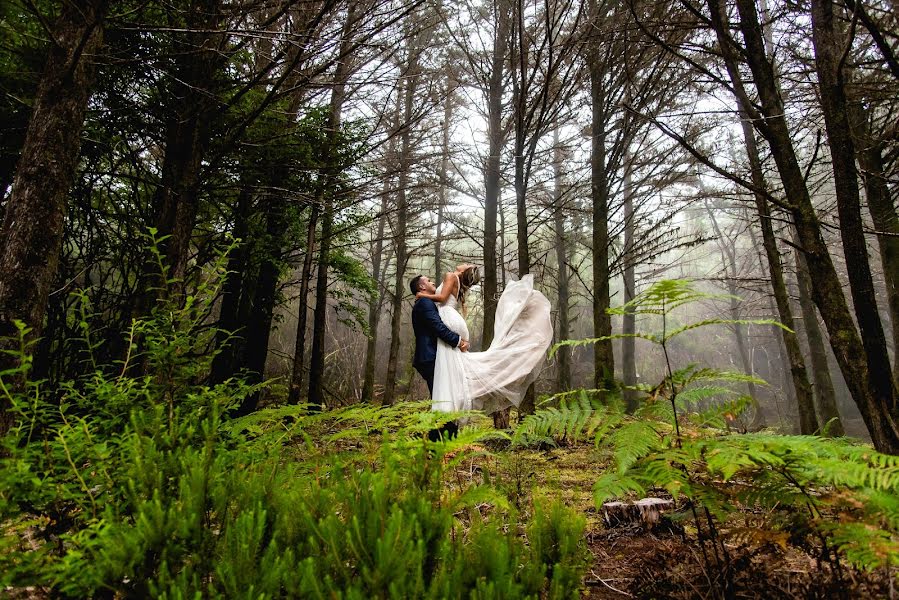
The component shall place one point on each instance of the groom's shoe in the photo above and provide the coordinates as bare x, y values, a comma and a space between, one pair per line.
447, 432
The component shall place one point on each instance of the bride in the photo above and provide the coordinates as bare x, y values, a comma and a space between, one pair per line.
499, 376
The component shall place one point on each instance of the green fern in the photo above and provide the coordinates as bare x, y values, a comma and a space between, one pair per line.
573, 420
803, 486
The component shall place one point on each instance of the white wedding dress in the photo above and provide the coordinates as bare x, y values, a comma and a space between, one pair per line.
499, 376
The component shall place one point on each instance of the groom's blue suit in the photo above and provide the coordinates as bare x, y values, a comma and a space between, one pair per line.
428, 326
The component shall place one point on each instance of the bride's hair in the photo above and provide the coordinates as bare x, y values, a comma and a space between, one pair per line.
468, 278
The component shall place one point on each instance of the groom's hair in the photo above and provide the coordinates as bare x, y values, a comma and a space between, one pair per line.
413, 284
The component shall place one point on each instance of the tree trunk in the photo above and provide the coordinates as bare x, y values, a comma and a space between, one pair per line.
409, 85
564, 354
229, 339
729, 266
374, 307
825, 396
603, 359
259, 325
442, 192
495, 142
869, 152
34, 214
327, 193
628, 319
320, 321
805, 402
828, 50
790, 349
176, 200
827, 290
803, 393
297, 373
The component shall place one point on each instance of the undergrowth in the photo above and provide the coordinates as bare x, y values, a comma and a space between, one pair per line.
837, 499
134, 481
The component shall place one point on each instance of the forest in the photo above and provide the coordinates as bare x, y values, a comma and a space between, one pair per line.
211, 213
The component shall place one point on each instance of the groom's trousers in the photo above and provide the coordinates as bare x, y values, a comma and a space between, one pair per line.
426, 370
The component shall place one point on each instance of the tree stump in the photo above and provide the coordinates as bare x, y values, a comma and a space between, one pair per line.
646, 512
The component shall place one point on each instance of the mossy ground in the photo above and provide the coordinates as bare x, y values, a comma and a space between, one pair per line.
668, 561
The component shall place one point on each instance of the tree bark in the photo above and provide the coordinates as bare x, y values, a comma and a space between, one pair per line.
564, 354
827, 290
869, 152
828, 49
628, 319
495, 142
603, 359
328, 190
825, 396
34, 215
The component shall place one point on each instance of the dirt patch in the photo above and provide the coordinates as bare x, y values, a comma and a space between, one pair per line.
638, 564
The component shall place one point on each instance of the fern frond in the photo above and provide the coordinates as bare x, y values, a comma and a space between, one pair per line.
615, 485
588, 341
664, 296
574, 420
865, 546
633, 441
697, 324
716, 415
692, 374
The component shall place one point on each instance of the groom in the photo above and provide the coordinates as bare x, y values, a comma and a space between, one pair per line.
428, 326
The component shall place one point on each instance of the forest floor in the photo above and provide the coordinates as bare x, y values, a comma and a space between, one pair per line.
667, 561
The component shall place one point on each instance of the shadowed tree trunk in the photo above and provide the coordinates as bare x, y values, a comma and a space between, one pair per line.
299, 352
495, 141
873, 401
603, 359
805, 402
808, 423
34, 214
869, 152
825, 396
828, 51
176, 200
259, 325
328, 191
223, 365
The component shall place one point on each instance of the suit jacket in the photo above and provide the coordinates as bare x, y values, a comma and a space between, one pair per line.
428, 326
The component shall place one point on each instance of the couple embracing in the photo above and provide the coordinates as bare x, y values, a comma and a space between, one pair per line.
490, 380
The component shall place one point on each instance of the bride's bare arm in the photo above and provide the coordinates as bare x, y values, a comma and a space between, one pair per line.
449, 285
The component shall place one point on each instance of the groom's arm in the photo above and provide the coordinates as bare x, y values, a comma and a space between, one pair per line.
432, 318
